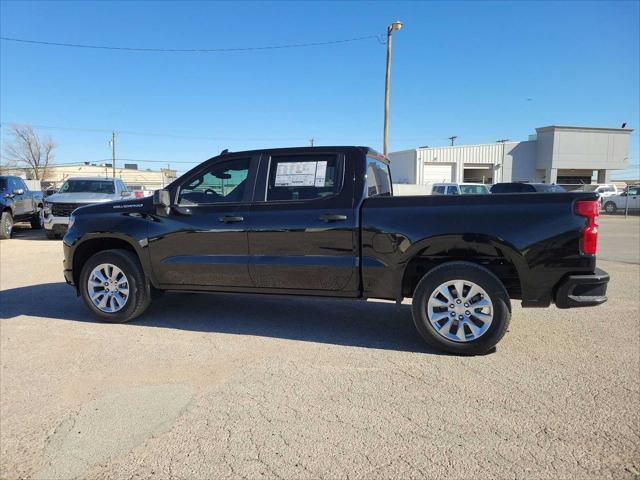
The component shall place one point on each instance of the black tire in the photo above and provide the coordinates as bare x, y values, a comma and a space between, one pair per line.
51, 235
483, 278
6, 225
610, 208
139, 288
37, 220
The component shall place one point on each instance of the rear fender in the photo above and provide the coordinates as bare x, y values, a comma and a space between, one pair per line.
466, 247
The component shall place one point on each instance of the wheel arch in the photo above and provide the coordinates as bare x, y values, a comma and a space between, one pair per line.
501, 258
90, 246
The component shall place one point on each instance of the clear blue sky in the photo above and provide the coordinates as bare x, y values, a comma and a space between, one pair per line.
479, 70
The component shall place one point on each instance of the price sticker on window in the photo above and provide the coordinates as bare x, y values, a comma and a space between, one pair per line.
301, 174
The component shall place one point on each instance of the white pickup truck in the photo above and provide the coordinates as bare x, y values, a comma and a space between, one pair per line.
75, 193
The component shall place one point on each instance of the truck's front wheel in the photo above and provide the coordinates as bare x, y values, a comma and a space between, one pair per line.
114, 287
462, 308
37, 220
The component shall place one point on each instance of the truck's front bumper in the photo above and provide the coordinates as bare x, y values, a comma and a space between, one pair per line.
57, 224
583, 290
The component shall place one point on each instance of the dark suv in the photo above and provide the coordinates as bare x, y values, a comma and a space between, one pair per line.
18, 204
516, 187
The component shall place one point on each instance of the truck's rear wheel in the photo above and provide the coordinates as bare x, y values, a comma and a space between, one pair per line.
462, 308
114, 287
6, 225
37, 220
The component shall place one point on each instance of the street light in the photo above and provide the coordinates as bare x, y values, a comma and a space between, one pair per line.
397, 25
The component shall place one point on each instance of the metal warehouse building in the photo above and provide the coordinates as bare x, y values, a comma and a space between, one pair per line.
555, 154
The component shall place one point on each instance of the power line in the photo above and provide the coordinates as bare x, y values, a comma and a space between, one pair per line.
190, 50
155, 134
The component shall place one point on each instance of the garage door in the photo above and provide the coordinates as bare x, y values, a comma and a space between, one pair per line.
437, 173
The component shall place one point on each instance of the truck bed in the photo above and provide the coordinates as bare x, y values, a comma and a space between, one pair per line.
532, 240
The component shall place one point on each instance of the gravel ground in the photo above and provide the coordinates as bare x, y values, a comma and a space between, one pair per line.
248, 386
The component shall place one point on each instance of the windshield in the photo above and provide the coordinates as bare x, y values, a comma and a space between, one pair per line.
473, 189
89, 186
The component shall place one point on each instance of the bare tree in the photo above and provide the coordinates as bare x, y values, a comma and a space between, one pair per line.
30, 150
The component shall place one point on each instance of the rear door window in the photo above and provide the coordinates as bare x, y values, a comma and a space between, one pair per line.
303, 177
378, 178
453, 190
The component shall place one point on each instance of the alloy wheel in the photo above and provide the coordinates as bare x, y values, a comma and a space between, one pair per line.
460, 310
108, 288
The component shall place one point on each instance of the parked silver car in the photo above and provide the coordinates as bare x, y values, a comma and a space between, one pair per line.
629, 199
78, 192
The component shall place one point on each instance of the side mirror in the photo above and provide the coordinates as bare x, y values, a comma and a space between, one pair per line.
161, 198
162, 201
125, 193
18, 191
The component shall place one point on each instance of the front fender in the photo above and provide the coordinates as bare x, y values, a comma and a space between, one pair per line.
84, 238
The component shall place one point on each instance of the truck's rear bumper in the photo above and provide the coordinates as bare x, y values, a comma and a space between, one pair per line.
583, 290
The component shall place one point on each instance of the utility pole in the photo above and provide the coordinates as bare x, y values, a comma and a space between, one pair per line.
311, 140
397, 25
453, 139
113, 153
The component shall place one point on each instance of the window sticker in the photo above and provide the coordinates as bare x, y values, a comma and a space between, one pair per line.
301, 174
321, 171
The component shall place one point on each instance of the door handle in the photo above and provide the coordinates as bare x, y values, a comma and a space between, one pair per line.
332, 218
230, 219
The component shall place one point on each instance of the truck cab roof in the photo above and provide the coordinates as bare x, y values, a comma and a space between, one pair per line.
318, 149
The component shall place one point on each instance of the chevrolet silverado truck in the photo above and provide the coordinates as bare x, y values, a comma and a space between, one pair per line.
323, 221
18, 204
77, 192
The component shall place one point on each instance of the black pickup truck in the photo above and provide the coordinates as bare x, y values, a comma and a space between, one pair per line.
323, 221
18, 204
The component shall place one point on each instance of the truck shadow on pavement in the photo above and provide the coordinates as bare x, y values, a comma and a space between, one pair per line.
339, 322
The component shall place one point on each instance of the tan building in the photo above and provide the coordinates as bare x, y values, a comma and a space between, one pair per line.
134, 179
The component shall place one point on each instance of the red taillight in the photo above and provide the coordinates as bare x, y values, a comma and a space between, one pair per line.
589, 241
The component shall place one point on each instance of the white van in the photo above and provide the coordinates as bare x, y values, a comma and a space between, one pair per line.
459, 189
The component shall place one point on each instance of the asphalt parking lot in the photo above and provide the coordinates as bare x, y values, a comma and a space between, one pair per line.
231, 386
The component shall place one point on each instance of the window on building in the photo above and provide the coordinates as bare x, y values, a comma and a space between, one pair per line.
303, 177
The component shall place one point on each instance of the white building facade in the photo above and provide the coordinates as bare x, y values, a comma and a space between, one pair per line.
555, 154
